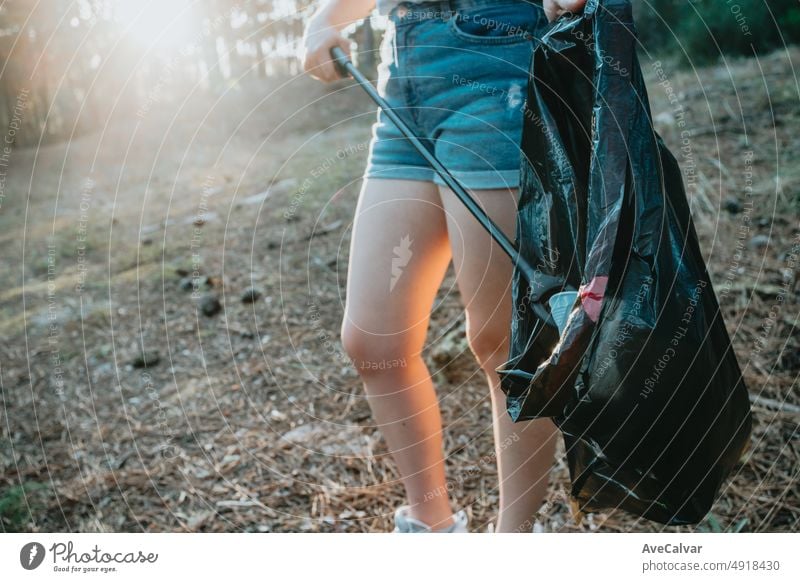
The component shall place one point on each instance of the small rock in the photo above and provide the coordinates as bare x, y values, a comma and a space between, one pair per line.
146, 359
664, 118
277, 414
349, 440
732, 205
256, 198
305, 434
210, 305
198, 519
187, 284
198, 281
251, 295
759, 242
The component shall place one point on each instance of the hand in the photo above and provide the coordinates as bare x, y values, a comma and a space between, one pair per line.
319, 38
555, 8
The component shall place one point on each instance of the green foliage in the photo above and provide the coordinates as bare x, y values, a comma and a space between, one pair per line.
703, 31
14, 507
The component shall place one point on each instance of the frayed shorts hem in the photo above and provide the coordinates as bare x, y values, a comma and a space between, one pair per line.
500, 180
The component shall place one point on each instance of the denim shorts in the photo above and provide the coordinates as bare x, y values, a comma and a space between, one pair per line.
457, 72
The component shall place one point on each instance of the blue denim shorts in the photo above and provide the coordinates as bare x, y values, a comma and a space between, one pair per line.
456, 71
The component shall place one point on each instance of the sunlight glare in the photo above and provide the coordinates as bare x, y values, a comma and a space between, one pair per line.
162, 23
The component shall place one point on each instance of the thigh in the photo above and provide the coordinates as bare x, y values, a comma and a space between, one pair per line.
399, 253
483, 270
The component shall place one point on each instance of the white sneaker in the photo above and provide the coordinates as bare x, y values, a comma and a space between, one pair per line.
404, 523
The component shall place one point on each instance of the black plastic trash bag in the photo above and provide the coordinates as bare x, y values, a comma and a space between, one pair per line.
643, 382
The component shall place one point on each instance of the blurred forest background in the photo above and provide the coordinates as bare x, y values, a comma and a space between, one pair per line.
70, 54
176, 202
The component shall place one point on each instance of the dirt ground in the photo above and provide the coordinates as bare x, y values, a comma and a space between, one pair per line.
170, 357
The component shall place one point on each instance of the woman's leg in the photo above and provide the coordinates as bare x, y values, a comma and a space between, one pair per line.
524, 450
399, 253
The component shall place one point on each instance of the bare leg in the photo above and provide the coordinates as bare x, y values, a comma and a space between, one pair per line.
398, 257
524, 450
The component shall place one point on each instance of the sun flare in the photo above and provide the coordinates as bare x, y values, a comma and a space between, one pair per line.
162, 23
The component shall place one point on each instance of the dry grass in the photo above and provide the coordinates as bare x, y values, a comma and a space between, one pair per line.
248, 420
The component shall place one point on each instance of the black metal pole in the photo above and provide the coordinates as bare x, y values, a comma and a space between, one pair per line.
345, 68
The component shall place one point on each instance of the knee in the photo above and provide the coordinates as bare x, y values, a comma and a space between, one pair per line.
488, 342
372, 353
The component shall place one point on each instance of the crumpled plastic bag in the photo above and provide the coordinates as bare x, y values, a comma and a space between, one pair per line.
643, 382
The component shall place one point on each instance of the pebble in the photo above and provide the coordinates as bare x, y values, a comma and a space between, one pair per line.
210, 305
759, 242
251, 295
146, 359
732, 205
